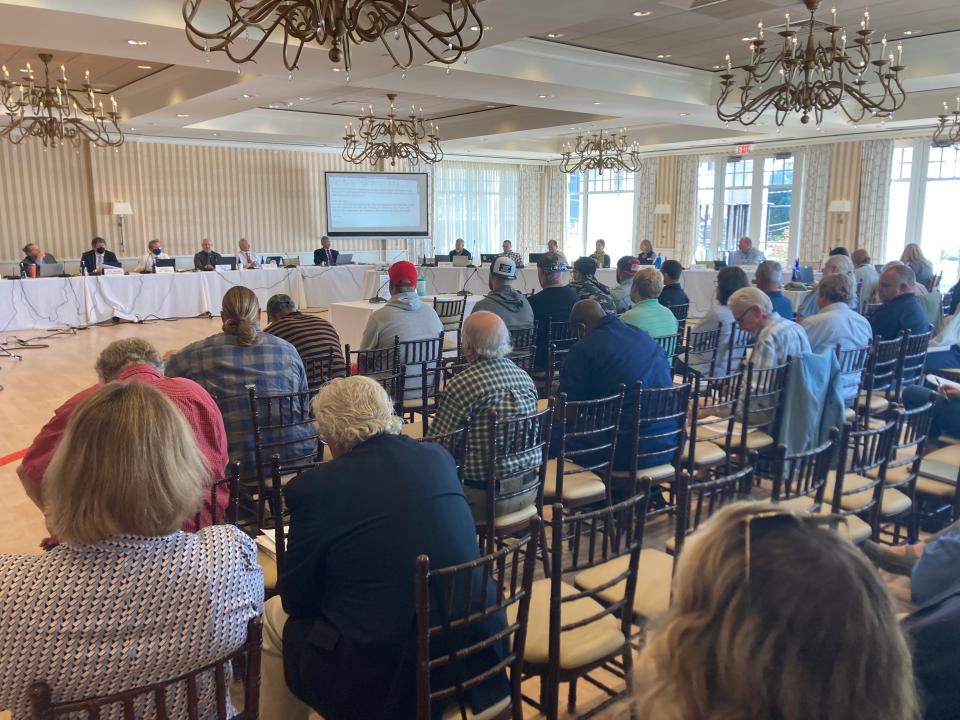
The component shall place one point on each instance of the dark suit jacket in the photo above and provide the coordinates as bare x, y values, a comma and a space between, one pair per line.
89, 260
323, 255
203, 258
357, 525
934, 632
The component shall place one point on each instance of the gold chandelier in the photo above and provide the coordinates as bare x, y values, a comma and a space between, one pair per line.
337, 24
392, 138
948, 131
54, 113
808, 77
599, 152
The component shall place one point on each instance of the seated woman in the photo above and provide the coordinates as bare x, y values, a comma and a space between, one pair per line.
775, 616
128, 599
646, 256
729, 280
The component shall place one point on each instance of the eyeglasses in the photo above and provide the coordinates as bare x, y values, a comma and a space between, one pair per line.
770, 518
745, 313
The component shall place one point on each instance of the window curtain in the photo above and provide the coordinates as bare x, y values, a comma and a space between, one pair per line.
554, 195
530, 231
645, 199
686, 208
875, 168
478, 202
815, 195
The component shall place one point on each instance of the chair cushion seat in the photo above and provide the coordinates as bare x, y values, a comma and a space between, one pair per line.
269, 567
450, 343
854, 529
656, 474
878, 403
542, 404
452, 711
515, 517
800, 503
894, 502
756, 439
929, 486
578, 647
576, 485
654, 577
901, 472
706, 453
412, 430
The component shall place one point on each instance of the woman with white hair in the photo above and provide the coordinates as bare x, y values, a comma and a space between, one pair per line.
835, 265
749, 634
127, 599
357, 525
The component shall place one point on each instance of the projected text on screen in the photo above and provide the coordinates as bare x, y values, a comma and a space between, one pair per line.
377, 204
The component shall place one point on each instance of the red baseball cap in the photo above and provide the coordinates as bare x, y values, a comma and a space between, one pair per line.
403, 274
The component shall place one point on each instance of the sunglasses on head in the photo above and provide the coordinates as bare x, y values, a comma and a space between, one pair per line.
769, 519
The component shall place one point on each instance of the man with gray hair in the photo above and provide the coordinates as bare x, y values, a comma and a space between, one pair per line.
491, 382
769, 277
837, 324
776, 339
337, 638
136, 360
647, 313
900, 310
511, 305
312, 336
835, 265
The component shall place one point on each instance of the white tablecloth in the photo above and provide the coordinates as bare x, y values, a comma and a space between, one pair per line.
325, 285
350, 318
701, 288
451, 279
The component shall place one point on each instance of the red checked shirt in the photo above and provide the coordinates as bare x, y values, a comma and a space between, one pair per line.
199, 409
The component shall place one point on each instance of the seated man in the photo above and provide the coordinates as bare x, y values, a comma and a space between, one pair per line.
553, 303
510, 305
404, 315
148, 261
554, 248
672, 293
587, 286
35, 256
460, 251
838, 325
491, 382
599, 255
627, 267
206, 259
746, 254
769, 277
932, 565
835, 265
776, 339
610, 353
865, 273
508, 252
94, 260
136, 360
325, 255
310, 335
245, 258
900, 310
339, 639
647, 313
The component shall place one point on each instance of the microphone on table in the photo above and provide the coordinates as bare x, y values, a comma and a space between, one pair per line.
376, 296
463, 292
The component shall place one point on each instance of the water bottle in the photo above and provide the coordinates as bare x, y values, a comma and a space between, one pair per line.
796, 270
421, 285
659, 261
424, 263
23, 271
83, 268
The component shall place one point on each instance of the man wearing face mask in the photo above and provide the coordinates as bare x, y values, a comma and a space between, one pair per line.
94, 260
148, 261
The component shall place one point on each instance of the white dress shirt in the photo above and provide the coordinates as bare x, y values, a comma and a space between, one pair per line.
147, 261
247, 258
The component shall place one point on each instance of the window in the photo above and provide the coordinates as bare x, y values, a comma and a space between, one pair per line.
755, 199
924, 190
479, 203
600, 206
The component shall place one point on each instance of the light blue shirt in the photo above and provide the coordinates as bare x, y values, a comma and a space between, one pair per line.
750, 257
837, 324
621, 295
777, 341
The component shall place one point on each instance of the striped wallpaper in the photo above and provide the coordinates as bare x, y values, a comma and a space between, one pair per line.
841, 228
665, 226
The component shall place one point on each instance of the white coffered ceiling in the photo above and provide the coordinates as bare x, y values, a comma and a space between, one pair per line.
547, 69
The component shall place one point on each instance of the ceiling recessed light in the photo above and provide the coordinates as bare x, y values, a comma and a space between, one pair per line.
716, 67
182, 115
684, 114
216, 134
596, 102
145, 67
133, 128
664, 57
137, 43
746, 39
336, 69
554, 36
302, 99
908, 32
542, 97
245, 96
642, 13
490, 107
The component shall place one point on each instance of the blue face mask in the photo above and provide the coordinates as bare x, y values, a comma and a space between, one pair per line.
157, 251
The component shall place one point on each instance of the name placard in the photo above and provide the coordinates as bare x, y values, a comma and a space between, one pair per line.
167, 269
114, 271
223, 268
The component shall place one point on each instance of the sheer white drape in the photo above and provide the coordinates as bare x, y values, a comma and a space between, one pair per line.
554, 196
686, 208
814, 199
875, 166
479, 202
530, 231
645, 199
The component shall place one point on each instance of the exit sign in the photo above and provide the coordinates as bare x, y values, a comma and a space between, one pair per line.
744, 149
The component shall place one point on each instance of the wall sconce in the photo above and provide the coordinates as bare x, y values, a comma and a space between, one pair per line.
662, 210
840, 206
120, 210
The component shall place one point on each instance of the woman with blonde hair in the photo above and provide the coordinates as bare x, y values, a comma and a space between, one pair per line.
646, 256
914, 259
127, 599
226, 363
775, 615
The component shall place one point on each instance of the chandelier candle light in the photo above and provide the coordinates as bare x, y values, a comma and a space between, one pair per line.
809, 77
337, 25
600, 152
392, 138
948, 131
54, 113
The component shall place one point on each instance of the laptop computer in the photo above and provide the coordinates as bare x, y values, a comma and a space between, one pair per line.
344, 258
719, 264
50, 270
167, 262
461, 261
227, 263
275, 259
805, 274
488, 258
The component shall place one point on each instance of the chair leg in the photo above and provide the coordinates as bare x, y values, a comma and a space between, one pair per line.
544, 552
549, 696
572, 697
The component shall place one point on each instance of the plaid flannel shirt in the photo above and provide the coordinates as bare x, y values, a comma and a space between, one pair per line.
487, 384
777, 340
224, 367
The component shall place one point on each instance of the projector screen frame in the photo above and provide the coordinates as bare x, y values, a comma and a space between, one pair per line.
375, 233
